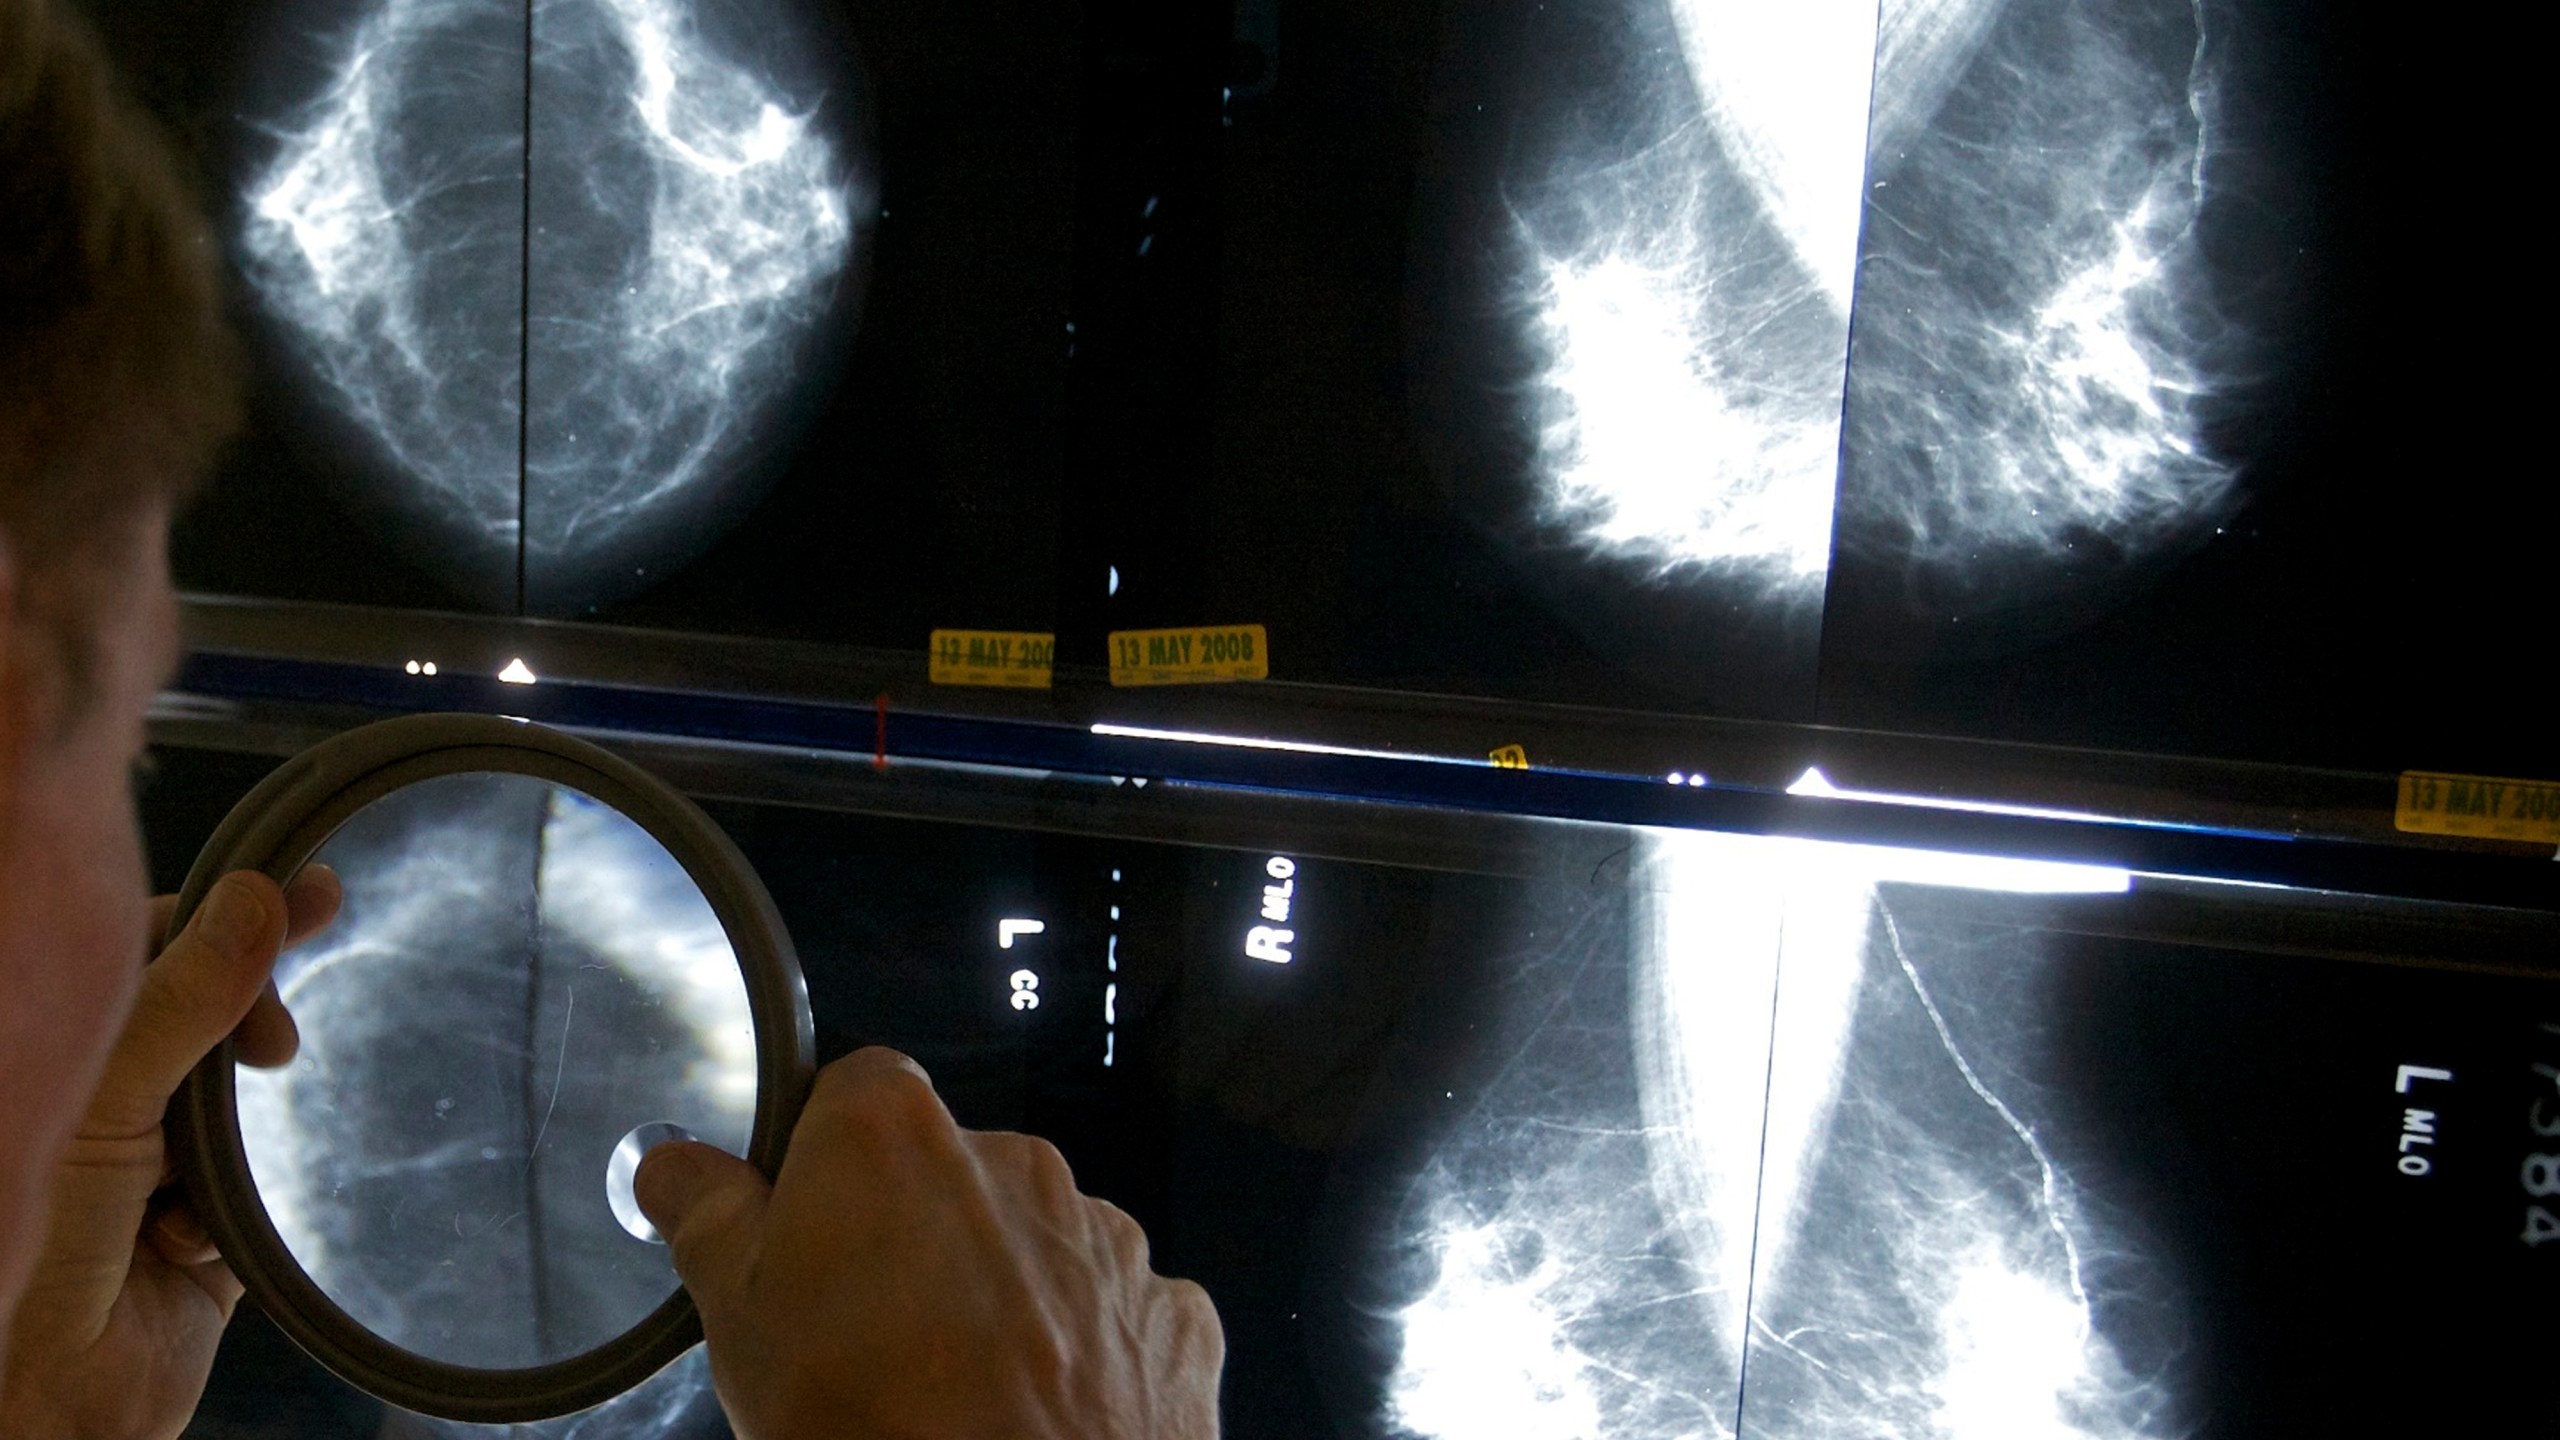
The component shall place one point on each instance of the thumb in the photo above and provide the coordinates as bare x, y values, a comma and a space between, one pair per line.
709, 1205
192, 997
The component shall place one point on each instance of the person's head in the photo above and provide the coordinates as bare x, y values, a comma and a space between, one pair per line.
117, 379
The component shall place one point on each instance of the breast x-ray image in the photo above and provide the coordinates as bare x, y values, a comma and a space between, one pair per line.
2039, 335
1630, 1135
563, 266
2015, 369
1531, 338
1863, 1143
2135, 391
556, 305
1689, 294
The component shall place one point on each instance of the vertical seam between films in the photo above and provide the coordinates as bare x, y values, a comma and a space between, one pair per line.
524, 337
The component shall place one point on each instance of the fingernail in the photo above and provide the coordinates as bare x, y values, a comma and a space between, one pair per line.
234, 918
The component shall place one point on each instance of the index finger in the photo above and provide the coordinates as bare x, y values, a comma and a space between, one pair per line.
878, 1100
878, 1078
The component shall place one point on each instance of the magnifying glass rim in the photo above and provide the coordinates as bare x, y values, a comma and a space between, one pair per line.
275, 829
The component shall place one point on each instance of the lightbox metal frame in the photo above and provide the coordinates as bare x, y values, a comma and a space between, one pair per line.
330, 643
275, 829
214, 682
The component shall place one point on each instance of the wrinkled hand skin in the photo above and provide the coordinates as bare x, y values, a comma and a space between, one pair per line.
115, 1334
908, 1278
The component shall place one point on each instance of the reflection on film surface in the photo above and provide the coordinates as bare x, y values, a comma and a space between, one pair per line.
519, 976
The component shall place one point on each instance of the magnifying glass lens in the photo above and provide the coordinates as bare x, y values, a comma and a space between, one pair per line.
522, 985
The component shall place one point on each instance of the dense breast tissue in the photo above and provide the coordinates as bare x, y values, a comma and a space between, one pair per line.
1930, 268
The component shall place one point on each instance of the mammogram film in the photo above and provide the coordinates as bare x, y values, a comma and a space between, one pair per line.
562, 265
1835, 1141
1639, 1135
2005, 194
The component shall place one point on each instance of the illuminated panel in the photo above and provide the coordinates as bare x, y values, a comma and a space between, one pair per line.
1792, 1189
691, 219
1689, 296
2036, 337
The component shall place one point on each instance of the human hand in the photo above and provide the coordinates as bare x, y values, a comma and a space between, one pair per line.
908, 1278
115, 1334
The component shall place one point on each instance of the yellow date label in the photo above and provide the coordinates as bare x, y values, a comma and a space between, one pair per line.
1193, 655
2480, 807
1020, 659
1510, 757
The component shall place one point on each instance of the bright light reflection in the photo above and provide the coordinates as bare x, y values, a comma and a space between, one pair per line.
1296, 747
1978, 872
1814, 783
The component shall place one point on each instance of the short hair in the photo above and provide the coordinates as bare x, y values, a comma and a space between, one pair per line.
119, 374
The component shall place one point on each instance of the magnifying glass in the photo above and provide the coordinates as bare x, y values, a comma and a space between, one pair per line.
547, 961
